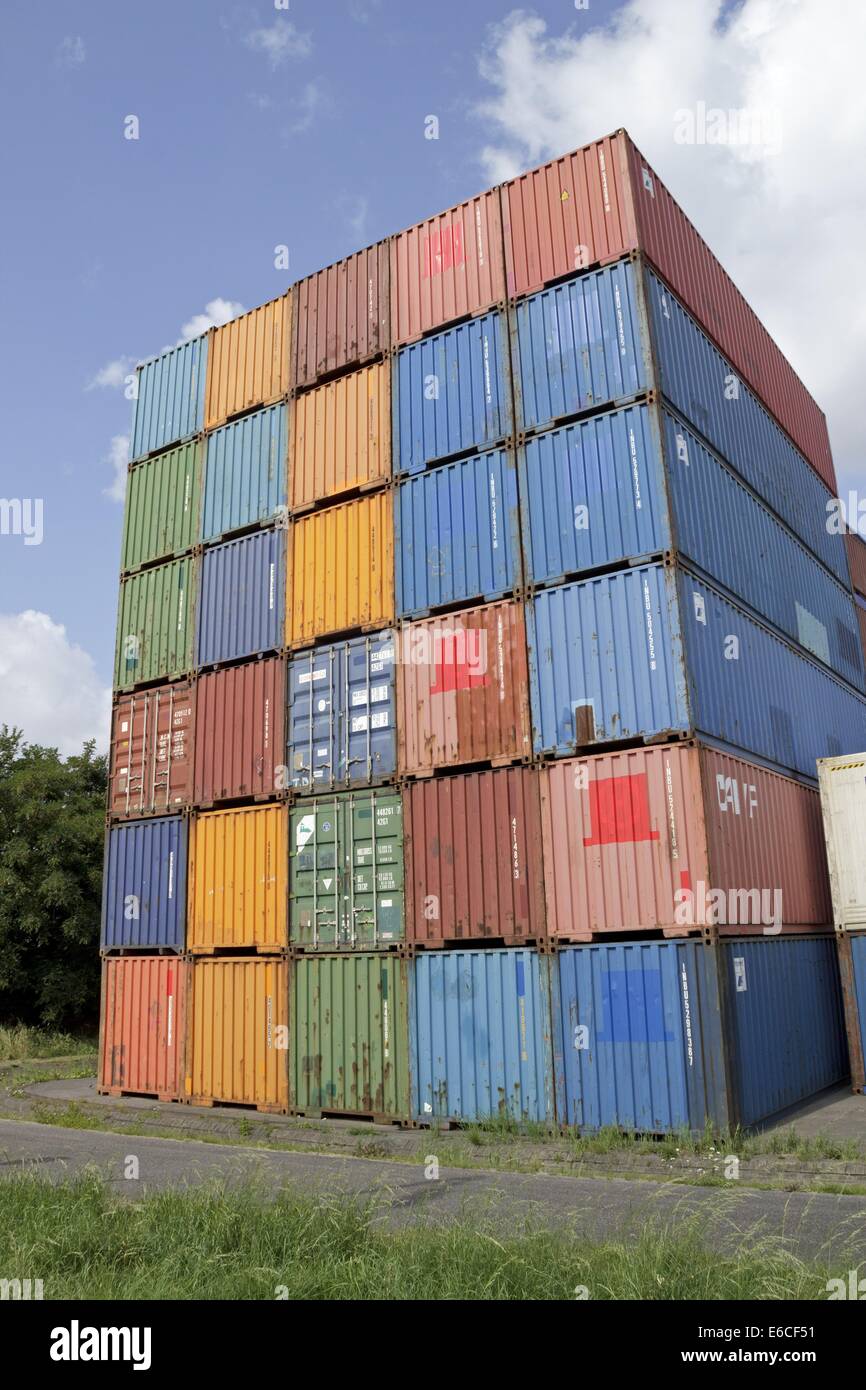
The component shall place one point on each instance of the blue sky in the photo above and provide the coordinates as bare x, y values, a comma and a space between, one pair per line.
261, 126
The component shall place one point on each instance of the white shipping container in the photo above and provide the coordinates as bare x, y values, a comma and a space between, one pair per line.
843, 804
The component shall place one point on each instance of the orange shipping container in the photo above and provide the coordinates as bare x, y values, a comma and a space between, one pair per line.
238, 877
142, 1026
462, 690
248, 361
341, 570
237, 1047
341, 436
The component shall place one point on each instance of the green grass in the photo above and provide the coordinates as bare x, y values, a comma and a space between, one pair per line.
20, 1043
212, 1244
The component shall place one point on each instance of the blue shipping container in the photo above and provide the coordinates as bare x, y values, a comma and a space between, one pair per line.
341, 719
451, 393
245, 477
479, 1036
653, 650
242, 604
144, 886
170, 402
637, 1037
457, 534
637, 482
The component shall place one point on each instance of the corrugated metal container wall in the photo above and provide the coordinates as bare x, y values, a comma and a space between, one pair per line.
162, 506
350, 1035
696, 379
341, 436
843, 804
860, 615
343, 315
856, 562
579, 345
480, 1036
152, 742
851, 951
246, 468
249, 361
447, 267
142, 1026
686, 262
784, 1023
452, 393
237, 1049
155, 624
342, 715
346, 871
473, 855
341, 570
238, 863
566, 215
144, 887
242, 597
463, 690
457, 534
240, 738
169, 406
637, 1037
636, 841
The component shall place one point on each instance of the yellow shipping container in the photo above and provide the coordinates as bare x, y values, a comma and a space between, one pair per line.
248, 361
341, 569
341, 436
238, 1039
238, 876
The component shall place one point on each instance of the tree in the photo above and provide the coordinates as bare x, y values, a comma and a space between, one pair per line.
52, 833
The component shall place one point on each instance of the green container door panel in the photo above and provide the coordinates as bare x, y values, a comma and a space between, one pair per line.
346, 871
156, 624
350, 1035
163, 504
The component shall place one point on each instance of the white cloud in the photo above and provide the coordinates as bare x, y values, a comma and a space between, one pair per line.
355, 210
118, 458
49, 687
281, 41
113, 374
216, 313
310, 102
362, 11
785, 219
71, 53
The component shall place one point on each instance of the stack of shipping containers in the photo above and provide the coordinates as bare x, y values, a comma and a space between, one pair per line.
480, 629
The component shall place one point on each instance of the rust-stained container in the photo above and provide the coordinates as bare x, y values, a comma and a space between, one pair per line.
856, 562
248, 361
473, 860
680, 838
342, 315
238, 880
851, 951
152, 742
462, 690
603, 201
142, 1026
447, 268
341, 570
341, 436
240, 735
349, 1052
238, 1037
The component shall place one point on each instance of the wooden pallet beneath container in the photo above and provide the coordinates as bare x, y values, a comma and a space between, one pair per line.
455, 769
208, 1102
634, 937
356, 1116
118, 1092
239, 952
474, 943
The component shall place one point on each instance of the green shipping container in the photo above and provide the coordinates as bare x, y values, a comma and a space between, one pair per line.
346, 871
156, 624
349, 1020
162, 506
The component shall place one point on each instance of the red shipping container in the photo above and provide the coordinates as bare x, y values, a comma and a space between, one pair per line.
447, 268
152, 738
462, 689
603, 201
240, 733
676, 838
342, 315
473, 858
142, 1028
856, 561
